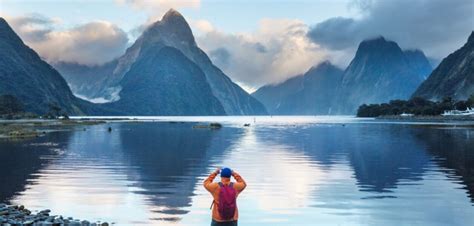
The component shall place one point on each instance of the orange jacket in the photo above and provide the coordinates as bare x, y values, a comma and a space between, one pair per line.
214, 189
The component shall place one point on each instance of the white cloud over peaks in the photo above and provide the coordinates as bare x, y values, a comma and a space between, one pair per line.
91, 43
277, 50
438, 27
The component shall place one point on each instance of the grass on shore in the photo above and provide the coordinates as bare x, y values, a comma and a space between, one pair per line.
27, 129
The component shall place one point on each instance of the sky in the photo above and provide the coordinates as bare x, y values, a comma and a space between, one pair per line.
255, 42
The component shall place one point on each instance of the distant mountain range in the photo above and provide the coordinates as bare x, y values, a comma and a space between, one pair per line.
454, 76
309, 94
186, 85
379, 72
165, 73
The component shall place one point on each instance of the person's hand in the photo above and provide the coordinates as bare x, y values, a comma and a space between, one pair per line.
233, 173
218, 170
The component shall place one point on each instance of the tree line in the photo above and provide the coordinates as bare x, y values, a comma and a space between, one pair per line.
12, 108
415, 106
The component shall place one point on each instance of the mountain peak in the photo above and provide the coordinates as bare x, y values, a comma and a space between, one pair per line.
7, 34
172, 13
4, 25
378, 45
322, 65
172, 26
377, 39
2, 21
325, 63
414, 51
323, 68
174, 18
471, 37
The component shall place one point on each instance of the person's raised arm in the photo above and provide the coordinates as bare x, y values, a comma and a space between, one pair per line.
208, 182
240, 183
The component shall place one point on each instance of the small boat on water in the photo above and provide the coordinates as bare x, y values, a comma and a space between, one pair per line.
406, 115
468, 111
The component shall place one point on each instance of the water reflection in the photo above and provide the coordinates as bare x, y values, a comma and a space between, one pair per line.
333, 174
453, 150
380, 155
21, 160
169, 159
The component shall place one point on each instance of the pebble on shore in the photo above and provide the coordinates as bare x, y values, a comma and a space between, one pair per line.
19, 215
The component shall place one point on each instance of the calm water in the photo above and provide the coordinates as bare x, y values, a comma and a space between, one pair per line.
300, 171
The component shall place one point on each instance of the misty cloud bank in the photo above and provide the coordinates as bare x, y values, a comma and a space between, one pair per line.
277, 50
438, 27
91, 43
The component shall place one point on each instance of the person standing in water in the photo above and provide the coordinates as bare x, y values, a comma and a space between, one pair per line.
225, 192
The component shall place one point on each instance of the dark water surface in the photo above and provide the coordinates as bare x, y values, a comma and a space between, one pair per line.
326, 172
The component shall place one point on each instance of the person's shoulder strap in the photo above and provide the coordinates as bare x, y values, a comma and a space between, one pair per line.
231, 184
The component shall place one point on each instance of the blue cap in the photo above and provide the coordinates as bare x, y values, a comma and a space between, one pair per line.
226, 172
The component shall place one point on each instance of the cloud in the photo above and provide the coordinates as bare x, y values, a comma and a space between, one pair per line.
91, 43
202, 26
436, 26
276, 51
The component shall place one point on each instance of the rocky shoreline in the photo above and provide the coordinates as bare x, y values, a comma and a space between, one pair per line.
19, 215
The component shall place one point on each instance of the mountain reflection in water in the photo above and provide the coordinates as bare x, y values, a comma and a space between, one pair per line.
145, 173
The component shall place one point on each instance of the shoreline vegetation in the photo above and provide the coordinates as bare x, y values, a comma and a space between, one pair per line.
35, 127
417, 108
29, 128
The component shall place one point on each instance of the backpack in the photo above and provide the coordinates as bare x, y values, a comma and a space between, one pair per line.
227, 201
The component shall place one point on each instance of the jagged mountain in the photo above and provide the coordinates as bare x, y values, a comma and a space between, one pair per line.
173, 31
162, 81
33, 81
454, 76
309, 94
380, 72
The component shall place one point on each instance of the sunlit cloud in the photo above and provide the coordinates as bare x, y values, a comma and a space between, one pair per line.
277, 50
202, 26
95, 42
